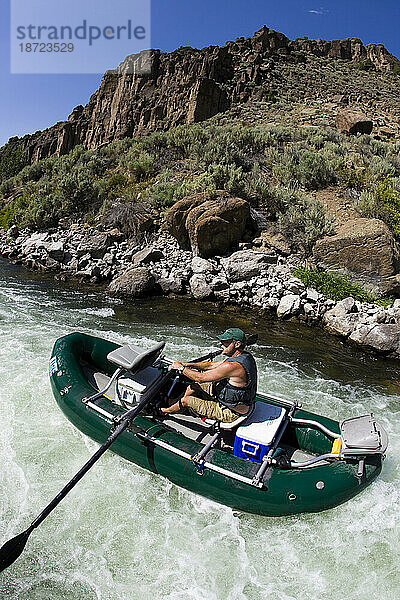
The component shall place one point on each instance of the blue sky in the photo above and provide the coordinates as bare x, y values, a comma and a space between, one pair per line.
32, 102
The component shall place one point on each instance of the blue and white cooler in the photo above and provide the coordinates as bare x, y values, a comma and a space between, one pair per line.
254, 438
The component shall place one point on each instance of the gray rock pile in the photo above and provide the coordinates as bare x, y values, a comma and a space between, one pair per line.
247, 277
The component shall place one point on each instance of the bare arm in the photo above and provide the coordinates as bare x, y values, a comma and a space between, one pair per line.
222, 371
202, 366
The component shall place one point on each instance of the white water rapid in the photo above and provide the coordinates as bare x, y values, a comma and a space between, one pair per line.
126, 534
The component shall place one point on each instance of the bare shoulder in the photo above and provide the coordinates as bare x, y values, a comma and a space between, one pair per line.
228, 368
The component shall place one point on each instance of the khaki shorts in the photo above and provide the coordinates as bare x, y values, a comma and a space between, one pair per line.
203, 405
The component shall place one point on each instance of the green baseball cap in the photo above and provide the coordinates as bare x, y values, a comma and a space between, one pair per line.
234, 333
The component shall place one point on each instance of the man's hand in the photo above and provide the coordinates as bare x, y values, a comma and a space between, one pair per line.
176, 365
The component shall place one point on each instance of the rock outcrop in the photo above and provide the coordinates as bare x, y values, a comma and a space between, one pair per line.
208, 227
365, 248
353, 121
187, 86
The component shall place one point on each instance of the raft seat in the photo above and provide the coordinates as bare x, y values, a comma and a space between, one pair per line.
132, 358
230, 426
129, 359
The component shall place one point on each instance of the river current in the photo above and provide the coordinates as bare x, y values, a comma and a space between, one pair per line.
124, 533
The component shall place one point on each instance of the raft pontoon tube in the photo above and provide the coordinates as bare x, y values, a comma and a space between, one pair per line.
279, 460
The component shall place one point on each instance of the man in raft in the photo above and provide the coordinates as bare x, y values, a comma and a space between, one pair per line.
223, 390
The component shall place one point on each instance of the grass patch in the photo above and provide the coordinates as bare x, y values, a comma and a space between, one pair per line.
336, 287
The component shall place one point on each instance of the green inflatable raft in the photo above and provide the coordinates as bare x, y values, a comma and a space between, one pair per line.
280, 460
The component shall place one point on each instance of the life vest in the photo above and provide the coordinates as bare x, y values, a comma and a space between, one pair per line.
230, 395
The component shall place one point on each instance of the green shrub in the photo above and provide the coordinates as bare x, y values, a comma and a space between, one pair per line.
366, 65
112, 186
140, 164
7, 216
12, 161
76, 192
389, 198
379, 168
369, 206
7, 187
350, 177
336, 287
310, 169
304, 223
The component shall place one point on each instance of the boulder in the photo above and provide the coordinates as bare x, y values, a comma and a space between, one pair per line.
171, 285
56, 251
36, 241
244, 264
312, 295
269, 238
342, 325
201, 265
380, 337
13, 232
146, 256
175, 218
216, 226
199, 287
353, 121
342, 319
289, 306
343, 308
134, 283
362, 246
95, 243
208, 227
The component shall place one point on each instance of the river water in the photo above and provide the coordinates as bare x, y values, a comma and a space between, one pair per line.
126, 534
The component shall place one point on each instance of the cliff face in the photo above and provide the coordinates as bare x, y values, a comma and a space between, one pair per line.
189, 85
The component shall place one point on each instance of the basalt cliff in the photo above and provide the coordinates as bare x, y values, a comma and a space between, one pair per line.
190, 85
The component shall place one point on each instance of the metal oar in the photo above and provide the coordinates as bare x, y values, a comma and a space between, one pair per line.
12, 549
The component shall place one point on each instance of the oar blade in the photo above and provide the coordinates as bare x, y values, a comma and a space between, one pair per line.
12, 549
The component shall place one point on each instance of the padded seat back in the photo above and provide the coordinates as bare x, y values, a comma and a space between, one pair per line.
133, 358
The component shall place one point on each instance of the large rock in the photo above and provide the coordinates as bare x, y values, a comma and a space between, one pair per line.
95, 243
351, 120
343, 318
146, 256
199, 287
340, 325
208, 227
201, 265
289, 306
134, 283
206, 100
37, 241
244, 264
56, 251
380, 337
365, 247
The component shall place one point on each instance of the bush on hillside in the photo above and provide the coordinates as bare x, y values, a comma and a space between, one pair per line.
12, 161
304, 222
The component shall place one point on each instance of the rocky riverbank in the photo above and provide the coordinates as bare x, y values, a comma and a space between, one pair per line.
247, 277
